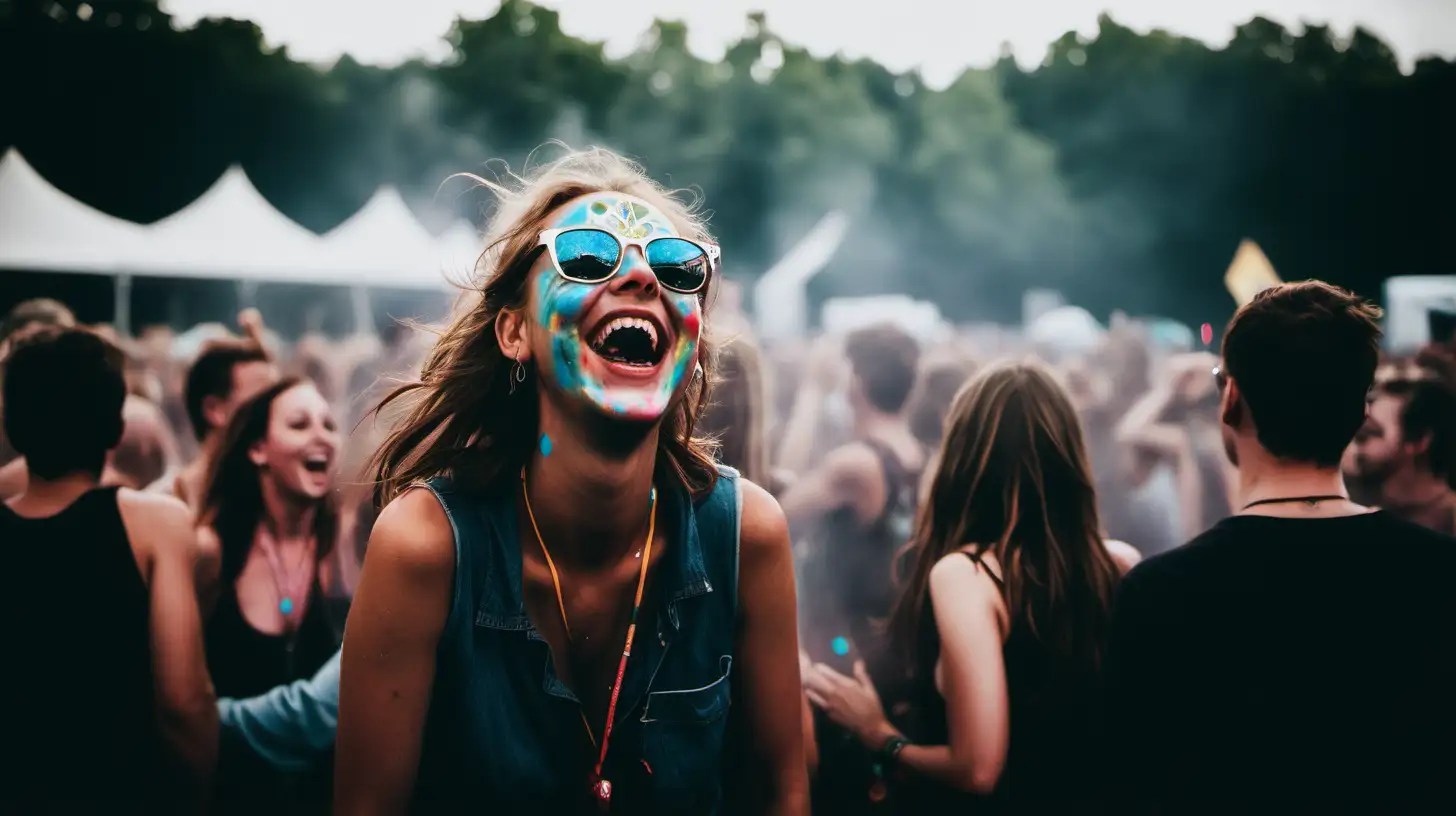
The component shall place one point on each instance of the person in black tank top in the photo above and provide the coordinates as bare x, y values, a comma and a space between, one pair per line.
99, 592
855, 513
270, 522
1008, 559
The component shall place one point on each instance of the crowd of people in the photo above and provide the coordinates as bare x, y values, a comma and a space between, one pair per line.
622, 557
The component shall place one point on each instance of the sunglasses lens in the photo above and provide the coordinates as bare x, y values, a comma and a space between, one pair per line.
680, 265
587, 255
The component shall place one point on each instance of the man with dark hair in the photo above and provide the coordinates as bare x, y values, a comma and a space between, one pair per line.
23, 320
226, 374
125, 607
1264, 666
854, 511
1405, 450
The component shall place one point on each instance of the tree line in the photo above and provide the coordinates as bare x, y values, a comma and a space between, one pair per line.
1123, 170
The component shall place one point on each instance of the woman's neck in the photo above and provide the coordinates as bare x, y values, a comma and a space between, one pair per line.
591, 506
286, 517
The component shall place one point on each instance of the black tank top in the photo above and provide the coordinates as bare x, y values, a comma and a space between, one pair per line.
1050, 761
846, 571
846, 588
245, 663
79, 727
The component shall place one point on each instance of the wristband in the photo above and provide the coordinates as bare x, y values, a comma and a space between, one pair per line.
889, 753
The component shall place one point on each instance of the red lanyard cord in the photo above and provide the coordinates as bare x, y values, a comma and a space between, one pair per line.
602, 787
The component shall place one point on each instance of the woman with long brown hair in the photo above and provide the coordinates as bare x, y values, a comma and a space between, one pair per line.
1002, 620
567, 607
268, 526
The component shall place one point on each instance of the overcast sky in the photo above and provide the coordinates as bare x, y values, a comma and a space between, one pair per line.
939, 36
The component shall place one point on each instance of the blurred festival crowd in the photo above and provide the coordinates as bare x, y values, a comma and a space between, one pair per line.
872, 443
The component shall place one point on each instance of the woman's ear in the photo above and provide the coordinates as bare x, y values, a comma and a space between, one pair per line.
256, 455
511, 327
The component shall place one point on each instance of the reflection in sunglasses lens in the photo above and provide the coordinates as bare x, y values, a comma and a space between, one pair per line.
587, 254
679, 264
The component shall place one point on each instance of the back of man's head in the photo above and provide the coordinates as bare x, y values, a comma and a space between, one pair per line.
63, 394
1303, 358
211, 378
885, 361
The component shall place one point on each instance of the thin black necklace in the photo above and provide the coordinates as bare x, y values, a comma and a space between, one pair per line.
1310, 500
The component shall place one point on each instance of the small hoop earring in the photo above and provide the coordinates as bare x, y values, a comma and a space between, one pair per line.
517, 375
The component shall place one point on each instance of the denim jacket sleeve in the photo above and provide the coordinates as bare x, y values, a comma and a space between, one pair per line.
290, 726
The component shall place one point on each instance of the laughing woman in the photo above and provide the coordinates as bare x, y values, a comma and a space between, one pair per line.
567, 607
268, 524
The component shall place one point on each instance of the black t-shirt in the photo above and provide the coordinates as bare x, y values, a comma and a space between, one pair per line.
1288, 665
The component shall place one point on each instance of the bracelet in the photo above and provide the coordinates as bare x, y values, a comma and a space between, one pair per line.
889, 753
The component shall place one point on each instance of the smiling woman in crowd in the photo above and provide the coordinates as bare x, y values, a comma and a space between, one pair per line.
567, 606
268, 523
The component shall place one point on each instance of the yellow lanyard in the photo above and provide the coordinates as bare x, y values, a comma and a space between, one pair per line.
601, 787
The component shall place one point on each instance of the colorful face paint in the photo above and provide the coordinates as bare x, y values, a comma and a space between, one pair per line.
561, 305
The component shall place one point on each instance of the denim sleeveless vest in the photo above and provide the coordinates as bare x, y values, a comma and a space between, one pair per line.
504, 734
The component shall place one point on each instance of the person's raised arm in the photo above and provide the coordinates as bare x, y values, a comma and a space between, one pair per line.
388, 667
768, 651
186, 704
848, 477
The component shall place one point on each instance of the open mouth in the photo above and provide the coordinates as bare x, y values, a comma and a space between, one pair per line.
629, 341
316, 463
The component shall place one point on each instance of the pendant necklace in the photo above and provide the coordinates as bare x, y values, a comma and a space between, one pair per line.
283, 581
601, 787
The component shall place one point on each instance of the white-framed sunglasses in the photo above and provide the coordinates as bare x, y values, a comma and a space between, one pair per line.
593, 255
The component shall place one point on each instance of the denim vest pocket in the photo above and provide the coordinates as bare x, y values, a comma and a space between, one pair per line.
682, 739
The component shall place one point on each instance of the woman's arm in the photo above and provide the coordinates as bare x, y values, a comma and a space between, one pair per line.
767, 649
389, 655
968, 613
290, 726
969, 616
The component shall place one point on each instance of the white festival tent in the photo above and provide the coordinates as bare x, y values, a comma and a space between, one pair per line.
458, 249
232, 232
384, 245
42, 228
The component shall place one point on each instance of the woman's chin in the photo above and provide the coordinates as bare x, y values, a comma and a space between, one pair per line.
632, 393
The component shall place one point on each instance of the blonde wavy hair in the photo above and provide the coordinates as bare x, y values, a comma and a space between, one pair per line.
460, 417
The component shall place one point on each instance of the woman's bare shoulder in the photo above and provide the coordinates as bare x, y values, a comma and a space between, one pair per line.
414, 532
1123, 554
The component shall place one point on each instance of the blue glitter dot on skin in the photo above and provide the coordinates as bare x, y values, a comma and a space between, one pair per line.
286, 606
840, 646
545, 445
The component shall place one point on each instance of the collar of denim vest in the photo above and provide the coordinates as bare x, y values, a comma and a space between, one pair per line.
682, 575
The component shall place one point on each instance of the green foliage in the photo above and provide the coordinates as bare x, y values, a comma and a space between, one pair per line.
1123, 170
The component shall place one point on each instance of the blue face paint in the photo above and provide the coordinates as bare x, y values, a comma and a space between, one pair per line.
545, 445
560, 305
840, 646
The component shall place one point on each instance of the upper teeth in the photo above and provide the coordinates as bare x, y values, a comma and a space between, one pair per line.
627, 322
319, 458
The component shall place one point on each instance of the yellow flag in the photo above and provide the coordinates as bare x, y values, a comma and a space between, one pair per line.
1250, 273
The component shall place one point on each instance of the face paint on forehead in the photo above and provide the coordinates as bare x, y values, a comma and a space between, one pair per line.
618, 214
